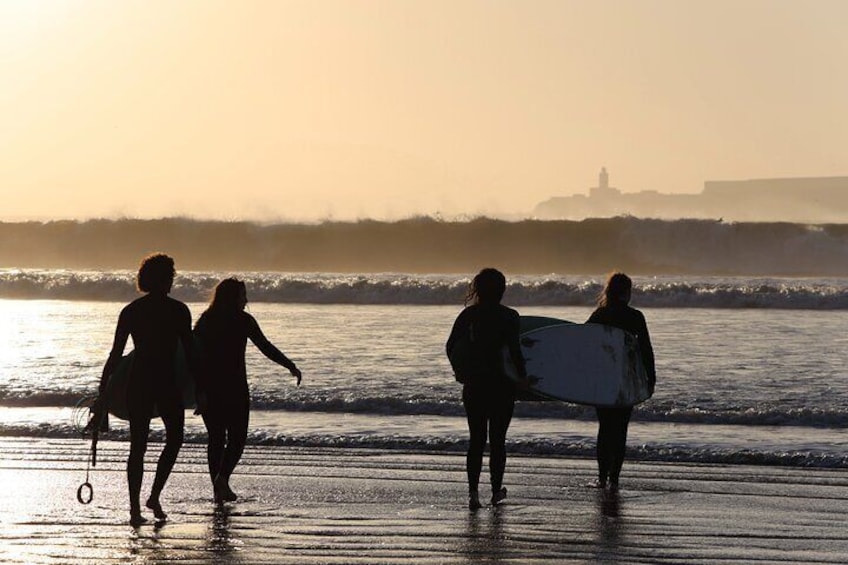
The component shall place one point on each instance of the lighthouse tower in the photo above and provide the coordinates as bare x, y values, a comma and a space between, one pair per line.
603, 190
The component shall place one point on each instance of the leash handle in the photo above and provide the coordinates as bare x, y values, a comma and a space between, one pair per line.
85, 492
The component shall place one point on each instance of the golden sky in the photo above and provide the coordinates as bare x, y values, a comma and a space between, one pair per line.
313, 109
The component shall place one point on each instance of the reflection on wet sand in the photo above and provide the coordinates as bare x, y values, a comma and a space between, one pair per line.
219, 538
338, 506
148, 546
610, 525
484, 535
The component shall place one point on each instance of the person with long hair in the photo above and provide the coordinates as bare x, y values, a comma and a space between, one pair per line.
613, 309
157, 323
222, 332
482, 330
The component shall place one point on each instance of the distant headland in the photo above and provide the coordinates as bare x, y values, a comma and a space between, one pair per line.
800, 200
429, 245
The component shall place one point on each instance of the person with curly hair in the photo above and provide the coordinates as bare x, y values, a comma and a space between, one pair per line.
157, 324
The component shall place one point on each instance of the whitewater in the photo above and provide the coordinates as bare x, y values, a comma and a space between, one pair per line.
749, 370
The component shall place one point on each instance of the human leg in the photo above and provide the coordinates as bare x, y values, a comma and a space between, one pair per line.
216, 439
475, 412
603, 448
618, 446
236, 427
139, 430
236, 440
501, 415
174, 420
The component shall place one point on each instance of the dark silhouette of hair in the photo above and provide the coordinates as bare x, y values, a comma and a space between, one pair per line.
156, 273
487, 287
227, 295
616, 291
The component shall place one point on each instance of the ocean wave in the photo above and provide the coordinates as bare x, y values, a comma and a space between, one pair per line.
659, 412
404, 289
41, 399
538, 447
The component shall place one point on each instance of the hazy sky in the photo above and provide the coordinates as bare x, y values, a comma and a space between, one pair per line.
290, 110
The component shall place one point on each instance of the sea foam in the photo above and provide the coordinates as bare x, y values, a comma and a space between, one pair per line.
542, 290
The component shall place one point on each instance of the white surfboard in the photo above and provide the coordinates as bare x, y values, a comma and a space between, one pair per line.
584, 363
116, 399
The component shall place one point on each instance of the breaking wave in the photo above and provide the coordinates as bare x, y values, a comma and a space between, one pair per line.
378, 405
550, 290
458, 444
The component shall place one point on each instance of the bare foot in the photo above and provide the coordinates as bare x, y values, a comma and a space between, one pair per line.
136, 519
158, 513
219, 496
223, 492
498, 496
228, 494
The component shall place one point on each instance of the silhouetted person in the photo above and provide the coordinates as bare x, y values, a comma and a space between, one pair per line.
614, 310
482, 330
223, 330
156, 323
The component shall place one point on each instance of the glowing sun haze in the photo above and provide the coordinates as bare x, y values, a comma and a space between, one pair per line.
304, 110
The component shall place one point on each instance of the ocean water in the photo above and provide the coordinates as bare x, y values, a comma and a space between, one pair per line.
749, 371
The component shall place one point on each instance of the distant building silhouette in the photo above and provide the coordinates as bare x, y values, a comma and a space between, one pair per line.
603, 190
806, 200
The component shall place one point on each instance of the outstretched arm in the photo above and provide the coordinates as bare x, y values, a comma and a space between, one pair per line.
270, 350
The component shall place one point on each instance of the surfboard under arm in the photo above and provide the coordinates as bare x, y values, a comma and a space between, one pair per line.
117, 387
587, 364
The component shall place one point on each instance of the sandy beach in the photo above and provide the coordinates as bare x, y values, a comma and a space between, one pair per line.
305, 505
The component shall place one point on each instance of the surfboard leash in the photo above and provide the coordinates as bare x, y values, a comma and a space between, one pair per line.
85, 492
88, 406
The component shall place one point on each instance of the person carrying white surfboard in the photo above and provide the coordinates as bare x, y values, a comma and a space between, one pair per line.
157, 323
475, 350
614, 310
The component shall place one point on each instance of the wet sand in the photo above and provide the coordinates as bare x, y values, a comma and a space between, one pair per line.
310, 505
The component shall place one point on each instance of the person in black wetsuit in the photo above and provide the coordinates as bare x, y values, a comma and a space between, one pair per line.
614, 310
223, 330
157, 323
487, 394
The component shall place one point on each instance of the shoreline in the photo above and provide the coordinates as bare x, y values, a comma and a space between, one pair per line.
683, 442
351, 505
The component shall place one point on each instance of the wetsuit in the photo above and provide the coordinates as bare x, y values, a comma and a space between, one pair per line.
488, 395
223, 379
156, 323
614, 421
